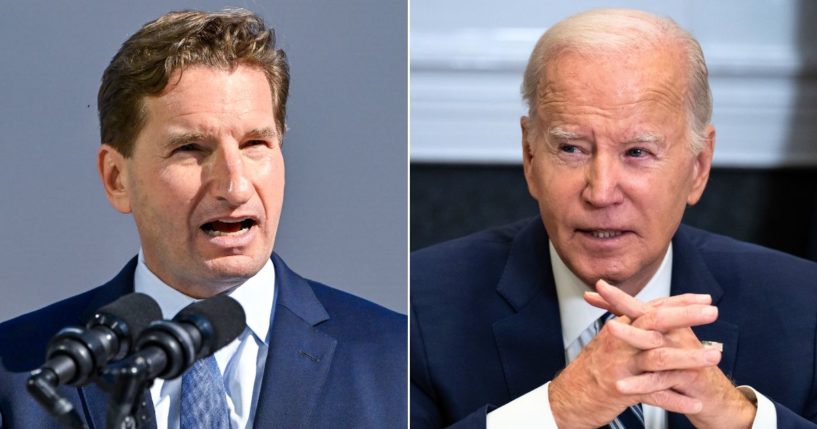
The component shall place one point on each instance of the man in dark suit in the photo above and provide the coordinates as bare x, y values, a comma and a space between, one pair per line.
510, 327
192, 113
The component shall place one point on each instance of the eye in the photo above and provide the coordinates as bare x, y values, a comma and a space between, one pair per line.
256, 142
568, 148
636, 152
189, 147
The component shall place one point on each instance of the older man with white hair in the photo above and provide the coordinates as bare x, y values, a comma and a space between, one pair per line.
517, 327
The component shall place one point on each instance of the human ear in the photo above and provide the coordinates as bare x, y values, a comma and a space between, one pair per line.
527, 154
112, 169
701, 167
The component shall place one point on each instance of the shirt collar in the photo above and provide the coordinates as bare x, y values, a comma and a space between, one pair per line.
255, 295
576, 314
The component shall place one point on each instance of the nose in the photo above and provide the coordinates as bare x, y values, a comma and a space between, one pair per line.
229, 180
602, 187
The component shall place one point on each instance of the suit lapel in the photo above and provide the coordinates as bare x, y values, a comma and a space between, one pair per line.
299, 356
690, 274
530, 340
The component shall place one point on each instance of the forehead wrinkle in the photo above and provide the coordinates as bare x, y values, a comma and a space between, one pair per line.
672, 101
555, 101
547, 94
668, 89
665, 86
665, 97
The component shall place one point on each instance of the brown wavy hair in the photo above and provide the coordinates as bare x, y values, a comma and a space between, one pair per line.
173, 42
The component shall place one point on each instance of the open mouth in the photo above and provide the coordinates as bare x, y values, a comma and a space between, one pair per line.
220, 228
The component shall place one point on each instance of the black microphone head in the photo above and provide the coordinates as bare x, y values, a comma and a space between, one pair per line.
224, 315
137, 310
128, 316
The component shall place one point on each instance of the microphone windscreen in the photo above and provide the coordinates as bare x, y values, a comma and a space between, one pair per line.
136, 310
224, 314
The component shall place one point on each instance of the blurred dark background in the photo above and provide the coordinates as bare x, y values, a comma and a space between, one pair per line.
776, 208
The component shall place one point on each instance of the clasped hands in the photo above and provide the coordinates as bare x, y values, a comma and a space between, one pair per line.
648, 355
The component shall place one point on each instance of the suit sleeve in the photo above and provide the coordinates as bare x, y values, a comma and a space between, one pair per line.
787, 419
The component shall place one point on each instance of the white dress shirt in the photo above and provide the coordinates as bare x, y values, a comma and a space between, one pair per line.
241, 362
532, 410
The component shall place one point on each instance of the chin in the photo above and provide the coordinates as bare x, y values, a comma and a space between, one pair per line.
614, 274
235, 267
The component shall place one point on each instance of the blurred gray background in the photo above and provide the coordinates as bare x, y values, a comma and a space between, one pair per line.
467, 60
345, 215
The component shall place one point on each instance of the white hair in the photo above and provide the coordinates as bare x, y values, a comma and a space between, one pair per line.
621, 31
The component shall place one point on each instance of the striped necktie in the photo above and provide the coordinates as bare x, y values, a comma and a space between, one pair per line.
633, 416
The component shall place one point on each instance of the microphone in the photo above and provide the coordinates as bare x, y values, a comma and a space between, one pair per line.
168, 348
75, 356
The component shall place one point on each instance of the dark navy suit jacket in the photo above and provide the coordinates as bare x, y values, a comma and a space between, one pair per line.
485, 326
334, 360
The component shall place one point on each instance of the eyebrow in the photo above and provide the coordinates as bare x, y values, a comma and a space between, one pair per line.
562, 134
186, 138
265, 132
645, 138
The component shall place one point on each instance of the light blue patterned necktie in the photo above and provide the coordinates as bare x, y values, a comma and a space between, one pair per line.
203, 402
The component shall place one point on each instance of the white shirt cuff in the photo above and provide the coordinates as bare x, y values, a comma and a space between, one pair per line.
532, 411
529, 411
766, 415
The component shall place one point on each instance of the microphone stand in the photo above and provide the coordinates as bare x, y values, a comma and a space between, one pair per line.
126, 382
43, 387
